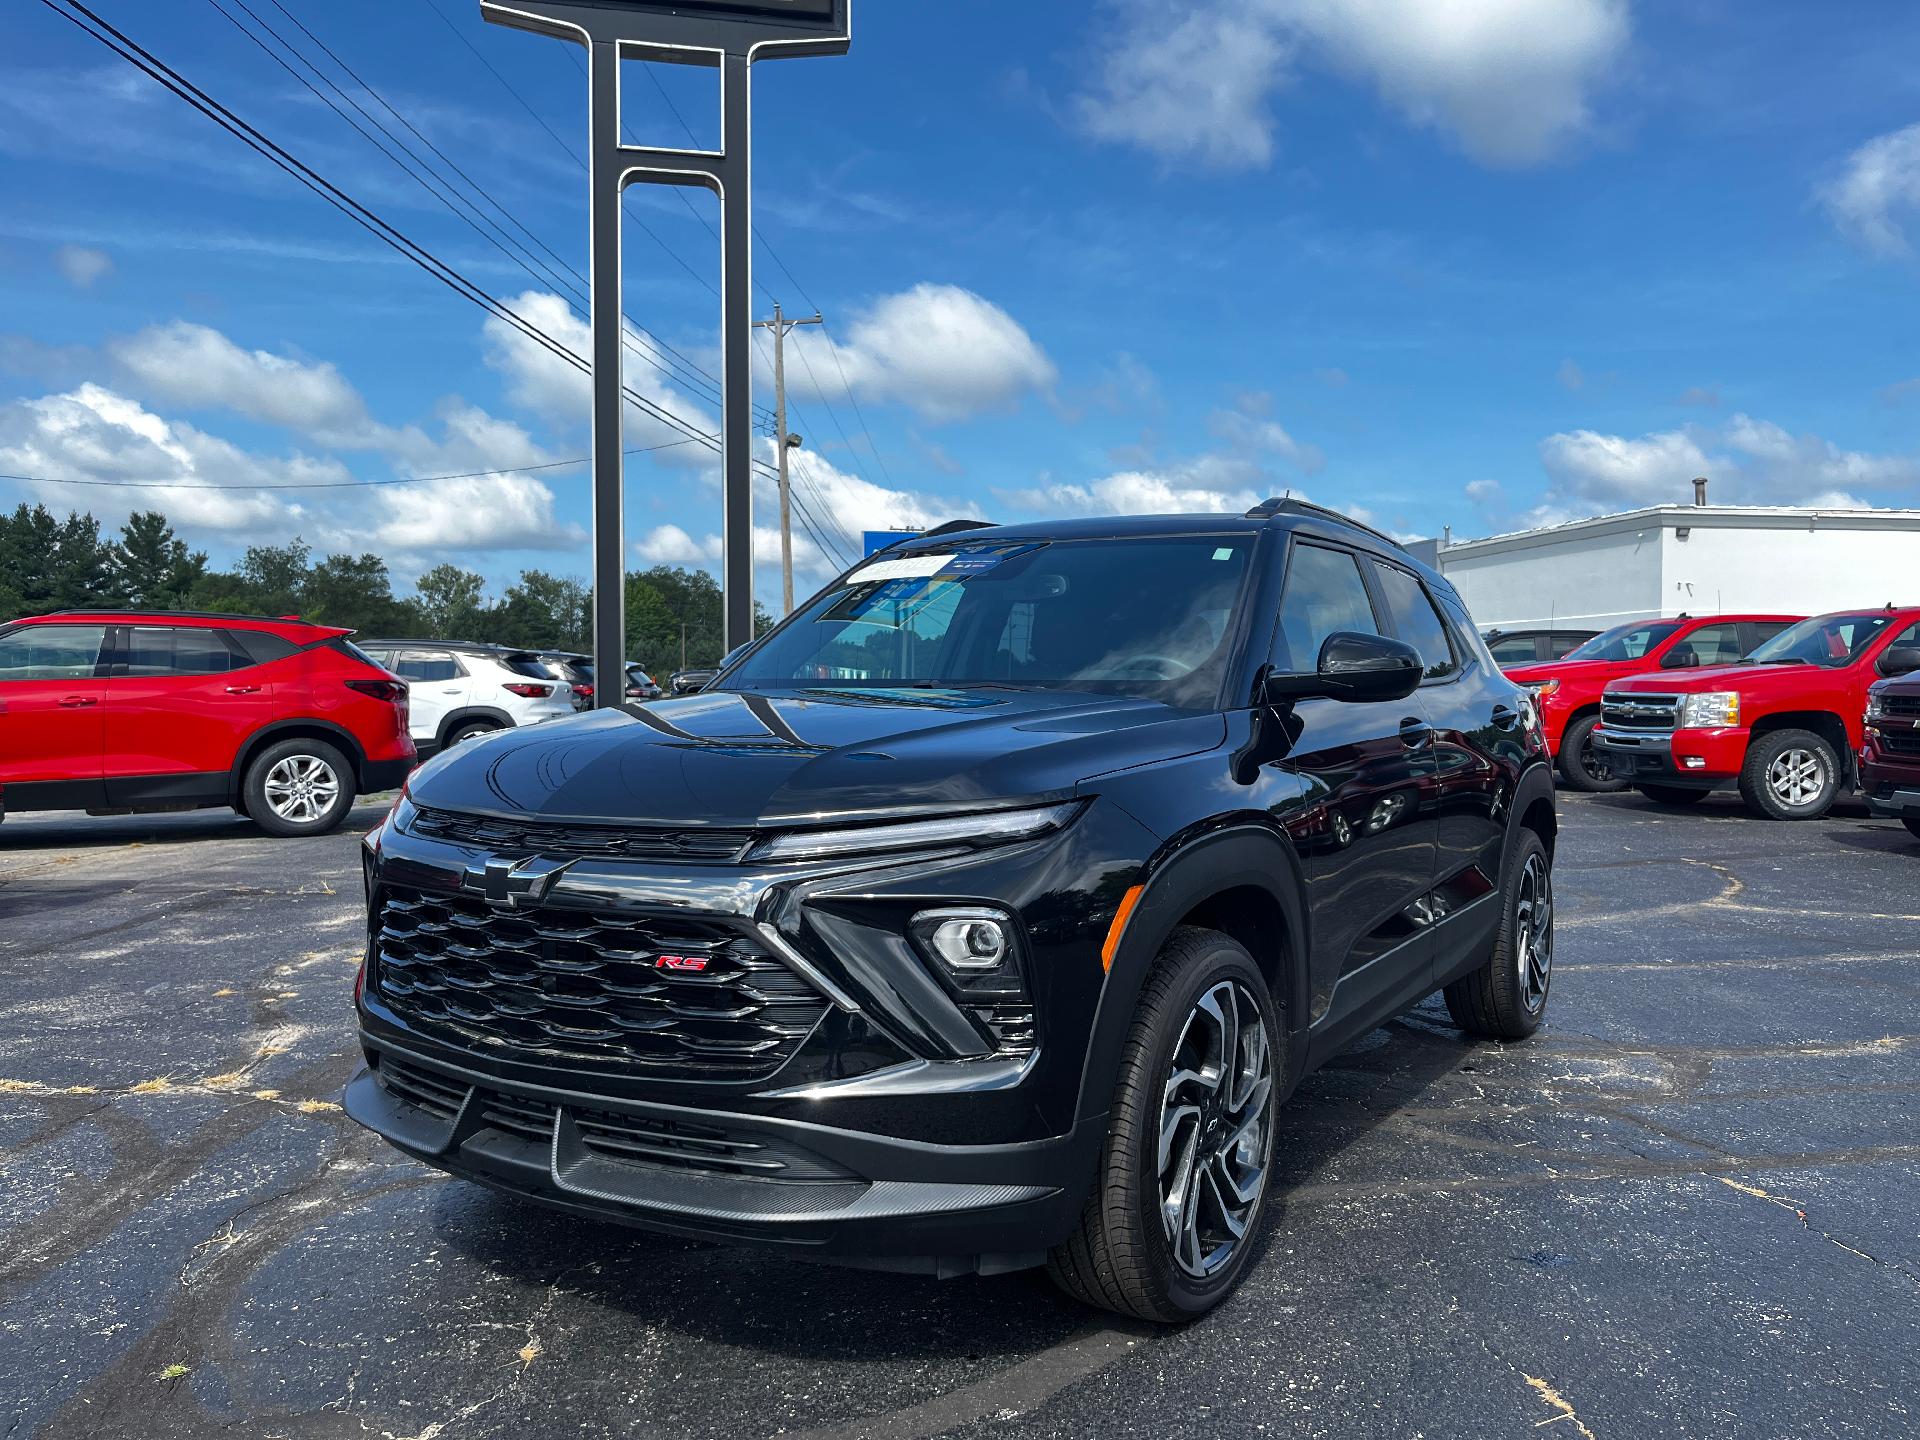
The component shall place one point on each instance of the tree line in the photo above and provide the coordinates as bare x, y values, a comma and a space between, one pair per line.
48, 564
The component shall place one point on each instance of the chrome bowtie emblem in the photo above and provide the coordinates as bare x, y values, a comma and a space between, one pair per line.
511, 883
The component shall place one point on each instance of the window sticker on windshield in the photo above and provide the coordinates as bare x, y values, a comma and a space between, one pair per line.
1223, 553
906, 568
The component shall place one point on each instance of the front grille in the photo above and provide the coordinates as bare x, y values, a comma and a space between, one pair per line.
1630, 712
1901, 705
585, 985
438, 1097
1012, 1026
1901, 742
532, 837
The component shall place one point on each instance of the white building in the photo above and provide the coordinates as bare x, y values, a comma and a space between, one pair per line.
1697, 559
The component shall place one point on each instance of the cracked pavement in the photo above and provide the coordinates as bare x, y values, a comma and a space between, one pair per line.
1687, 1208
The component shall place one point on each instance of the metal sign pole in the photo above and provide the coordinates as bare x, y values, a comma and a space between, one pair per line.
729, 35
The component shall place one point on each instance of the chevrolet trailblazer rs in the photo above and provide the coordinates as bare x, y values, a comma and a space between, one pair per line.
979, 916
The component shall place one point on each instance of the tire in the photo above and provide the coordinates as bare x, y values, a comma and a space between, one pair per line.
1121, 1258
1790, 775
1672, 794
468, 730
1506, 998
1581, 765
1912, 823
299, 787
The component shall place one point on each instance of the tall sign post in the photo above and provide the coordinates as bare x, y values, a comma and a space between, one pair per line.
728, 35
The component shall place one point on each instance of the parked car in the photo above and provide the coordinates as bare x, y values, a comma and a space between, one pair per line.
575, 669
1785, 724
1000, 947
460, 691
1890, 758
1570, 690
1528, 647
641, 685
127, 712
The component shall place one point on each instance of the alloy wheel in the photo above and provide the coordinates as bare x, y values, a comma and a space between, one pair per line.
1215, 1125
1594, 764
1533, 932
301, 789
1797, 777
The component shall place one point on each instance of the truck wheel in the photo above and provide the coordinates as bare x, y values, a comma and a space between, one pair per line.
299, 787
1672, 794
1790, 775
1182, 1184
1506, 998
1582, 764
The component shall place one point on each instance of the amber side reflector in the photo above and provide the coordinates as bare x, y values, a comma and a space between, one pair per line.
1119, 926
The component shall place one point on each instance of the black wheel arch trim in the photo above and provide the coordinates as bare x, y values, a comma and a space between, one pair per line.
1534, 785
291, 729
456, 718
1183, 876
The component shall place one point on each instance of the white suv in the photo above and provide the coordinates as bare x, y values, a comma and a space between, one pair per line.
458, 691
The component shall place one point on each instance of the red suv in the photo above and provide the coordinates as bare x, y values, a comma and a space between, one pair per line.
116, 712
1786, 724
1890, 760
1569, 689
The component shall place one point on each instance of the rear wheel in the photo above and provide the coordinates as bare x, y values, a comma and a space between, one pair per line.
1790, 775
469, 730
1584, 764
1672, 794
1506, 998
1176, 1205
299, 787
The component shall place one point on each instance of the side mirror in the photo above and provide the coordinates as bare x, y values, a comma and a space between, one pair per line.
1900, 660
1681, 658
1358, 669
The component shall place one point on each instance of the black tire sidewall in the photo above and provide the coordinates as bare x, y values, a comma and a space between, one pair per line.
1577, 738
1149, 1066
1759, 794
468, 730
255, 789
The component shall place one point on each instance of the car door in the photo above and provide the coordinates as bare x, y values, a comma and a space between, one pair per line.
182, 700
1369, 851
52, 716
437, 684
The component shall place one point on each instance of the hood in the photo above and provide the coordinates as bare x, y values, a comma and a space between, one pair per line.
1567, 670
742, 758
1749, 679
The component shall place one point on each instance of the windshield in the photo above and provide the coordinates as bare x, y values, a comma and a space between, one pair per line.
1625, 642
1148, 617
1829, 640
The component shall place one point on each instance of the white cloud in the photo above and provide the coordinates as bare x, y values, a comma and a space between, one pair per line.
1749, 461
1510, 80
941, 350
482, 512
82, 266
199, 367
1878, 184
1484, 492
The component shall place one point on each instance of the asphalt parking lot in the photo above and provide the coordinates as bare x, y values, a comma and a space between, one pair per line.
1690, 1207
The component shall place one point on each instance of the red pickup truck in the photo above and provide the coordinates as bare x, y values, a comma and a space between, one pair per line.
1786, 724
1569, 689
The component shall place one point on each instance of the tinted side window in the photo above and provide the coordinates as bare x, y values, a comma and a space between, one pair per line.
165, 650
51, 652
260, 647
1715, 644
1563, 641
1514, 650
1416, 621
1324, 595
428, 667
1764, 630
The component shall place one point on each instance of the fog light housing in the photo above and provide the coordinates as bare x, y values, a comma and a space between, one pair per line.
967, 942
1693, 762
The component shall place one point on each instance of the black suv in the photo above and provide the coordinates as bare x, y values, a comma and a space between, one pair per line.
982, 914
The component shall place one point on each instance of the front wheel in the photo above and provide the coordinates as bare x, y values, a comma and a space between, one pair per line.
299, 787
1506, 998
1583, 764
1790, 775
1672, 794
1182, 1184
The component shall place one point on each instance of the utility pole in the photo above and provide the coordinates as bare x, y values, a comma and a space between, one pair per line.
780, 325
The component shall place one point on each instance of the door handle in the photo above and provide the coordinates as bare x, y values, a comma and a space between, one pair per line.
74, 702
1506, 717
243, 689
1415, 734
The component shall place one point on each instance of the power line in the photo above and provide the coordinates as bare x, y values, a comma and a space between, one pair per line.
337, 484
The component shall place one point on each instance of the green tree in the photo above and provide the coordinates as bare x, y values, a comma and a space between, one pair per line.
152, 565
653, 629
356, 591
545, 611
452, 603
80, 570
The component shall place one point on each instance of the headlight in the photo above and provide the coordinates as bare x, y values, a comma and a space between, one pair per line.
1545, 689
1711, 710
1876, 706
995, 827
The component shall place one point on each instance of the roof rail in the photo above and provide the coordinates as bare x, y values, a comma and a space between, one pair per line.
1287, 505
954, 527
181, 614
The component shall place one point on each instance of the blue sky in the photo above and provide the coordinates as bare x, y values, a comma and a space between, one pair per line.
1472, 265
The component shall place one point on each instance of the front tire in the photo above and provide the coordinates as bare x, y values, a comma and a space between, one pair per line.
1582, 764
1672, 794
1182, 1185
1790, 775
299, 787
1506, 998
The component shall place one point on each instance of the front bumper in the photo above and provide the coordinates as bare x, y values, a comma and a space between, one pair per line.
810, 1188
1702, 759
379, 775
